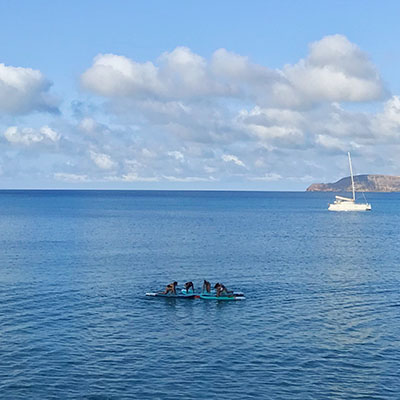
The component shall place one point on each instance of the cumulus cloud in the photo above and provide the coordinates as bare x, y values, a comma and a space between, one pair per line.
332, 143
186, 74
23, 90
29, 136
184, 118
103, 161
231, 158
113, 75
273, 126
226, 104
386, 124
334, 70
177, 155
180, 74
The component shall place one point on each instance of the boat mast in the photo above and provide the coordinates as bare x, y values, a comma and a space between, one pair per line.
352, 180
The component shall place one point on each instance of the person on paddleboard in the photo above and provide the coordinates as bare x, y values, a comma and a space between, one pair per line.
221, 289
206, 287
189, 285
171, 288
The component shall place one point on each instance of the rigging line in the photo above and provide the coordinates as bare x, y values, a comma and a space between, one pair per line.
364, 196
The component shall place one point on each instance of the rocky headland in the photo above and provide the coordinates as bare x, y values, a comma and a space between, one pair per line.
362, 183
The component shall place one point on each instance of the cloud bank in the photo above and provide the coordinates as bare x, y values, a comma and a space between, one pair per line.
334, 70
187, 119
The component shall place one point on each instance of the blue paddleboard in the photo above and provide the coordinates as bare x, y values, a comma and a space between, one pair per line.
172, 296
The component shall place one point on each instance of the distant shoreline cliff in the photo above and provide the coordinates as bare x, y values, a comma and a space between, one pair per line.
362, 183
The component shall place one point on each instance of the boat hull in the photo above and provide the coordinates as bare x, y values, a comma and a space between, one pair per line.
349, 206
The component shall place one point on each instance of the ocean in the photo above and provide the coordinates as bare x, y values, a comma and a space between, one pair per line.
321, 319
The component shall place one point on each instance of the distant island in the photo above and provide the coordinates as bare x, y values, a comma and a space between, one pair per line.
362, 183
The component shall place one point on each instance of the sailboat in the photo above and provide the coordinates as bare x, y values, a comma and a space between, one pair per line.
348, 204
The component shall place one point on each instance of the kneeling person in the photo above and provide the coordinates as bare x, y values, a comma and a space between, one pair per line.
221, 289
171, 288
189, 285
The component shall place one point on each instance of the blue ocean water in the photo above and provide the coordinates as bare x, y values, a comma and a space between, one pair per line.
321, 319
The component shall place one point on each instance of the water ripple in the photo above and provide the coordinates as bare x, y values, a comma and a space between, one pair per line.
320, 321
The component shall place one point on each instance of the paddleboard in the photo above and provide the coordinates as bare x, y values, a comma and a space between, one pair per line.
213, 293
172, 296
222, 298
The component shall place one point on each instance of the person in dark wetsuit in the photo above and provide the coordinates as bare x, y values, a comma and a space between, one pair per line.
171, 288
221, 289
189, 285
206, 287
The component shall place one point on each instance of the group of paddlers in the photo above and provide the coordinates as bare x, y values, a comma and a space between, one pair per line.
219, 288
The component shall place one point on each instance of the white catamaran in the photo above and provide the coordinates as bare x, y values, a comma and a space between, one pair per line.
347, 204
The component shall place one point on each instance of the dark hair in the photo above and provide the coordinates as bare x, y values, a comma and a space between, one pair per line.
175, 283
216, 285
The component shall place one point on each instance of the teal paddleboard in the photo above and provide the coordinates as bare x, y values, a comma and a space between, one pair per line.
205, 296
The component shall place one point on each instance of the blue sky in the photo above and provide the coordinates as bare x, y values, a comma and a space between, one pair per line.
262, 95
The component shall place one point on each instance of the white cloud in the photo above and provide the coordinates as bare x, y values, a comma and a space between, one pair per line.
272, 116
181, 73
113, 75
272, 177
131, 177
334, 70
177, 155
209, 169
186, 118
236, 68
232, 158
103, 161
243, 79
29, 136
88, 125
148, 153
186, 74
66, 177
47, 132
23, 90
189, 179
273, 126
331, 143
386, 124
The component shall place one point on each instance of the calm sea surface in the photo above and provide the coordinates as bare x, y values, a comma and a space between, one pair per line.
321, 319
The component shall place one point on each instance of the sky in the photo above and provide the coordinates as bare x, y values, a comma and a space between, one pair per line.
189, 95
